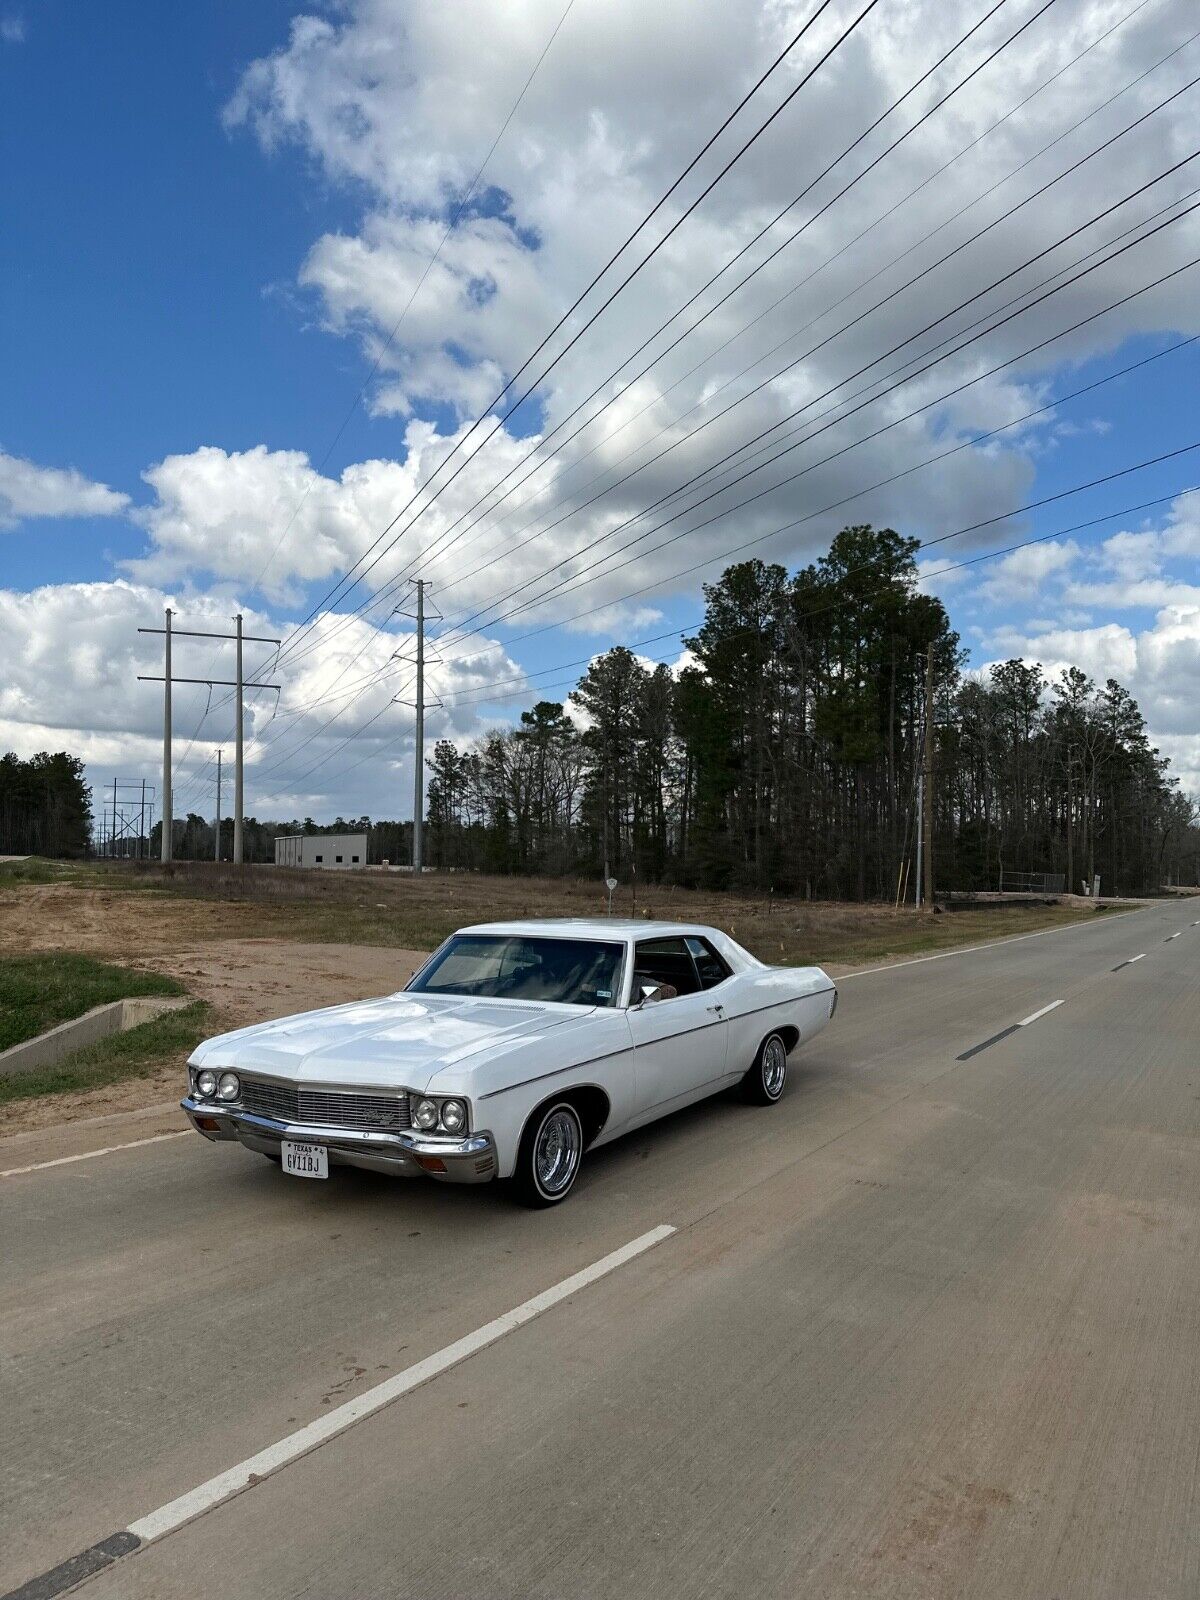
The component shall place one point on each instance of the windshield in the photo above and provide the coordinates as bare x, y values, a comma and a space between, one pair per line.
574, 972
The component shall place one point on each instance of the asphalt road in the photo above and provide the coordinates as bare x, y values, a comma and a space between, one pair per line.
927, 1328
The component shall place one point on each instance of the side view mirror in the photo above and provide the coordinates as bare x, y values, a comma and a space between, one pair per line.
646, 993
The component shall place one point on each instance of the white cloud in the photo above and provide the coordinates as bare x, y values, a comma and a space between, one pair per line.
1022, 575
384, 99
387, 105
28, 491
73, 657
1107, 651
12, 28
1159, 665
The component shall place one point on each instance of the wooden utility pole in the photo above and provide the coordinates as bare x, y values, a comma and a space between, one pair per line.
927, 788
217, 850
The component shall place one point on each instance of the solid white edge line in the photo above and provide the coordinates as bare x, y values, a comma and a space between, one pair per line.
88, 1155
970, 949
1025, 1021
318, 1432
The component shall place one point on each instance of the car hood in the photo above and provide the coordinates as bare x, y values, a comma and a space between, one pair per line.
401, 1041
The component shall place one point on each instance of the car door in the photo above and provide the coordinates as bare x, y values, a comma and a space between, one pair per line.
679, 1041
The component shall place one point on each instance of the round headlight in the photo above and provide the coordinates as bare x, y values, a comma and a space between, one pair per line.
454, 1116
206, 1083
229, 1087
425, 1114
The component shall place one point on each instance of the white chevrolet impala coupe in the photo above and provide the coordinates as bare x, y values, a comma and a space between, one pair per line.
515, 1048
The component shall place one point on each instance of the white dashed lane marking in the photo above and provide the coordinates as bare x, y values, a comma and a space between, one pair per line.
1025, 1021
323, 1428
89, 1155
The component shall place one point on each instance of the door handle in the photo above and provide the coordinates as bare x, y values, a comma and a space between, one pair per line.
717, 1008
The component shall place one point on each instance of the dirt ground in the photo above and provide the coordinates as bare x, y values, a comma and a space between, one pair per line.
244, 980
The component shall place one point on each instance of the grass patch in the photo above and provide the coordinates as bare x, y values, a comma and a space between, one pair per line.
43, 872
137, 1053
39, 991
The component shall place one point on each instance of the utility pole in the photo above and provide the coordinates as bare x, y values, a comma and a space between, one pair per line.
114, 816
142, 823
237, 755
927, 786
239, 684
217, 849
168, 798
419, 746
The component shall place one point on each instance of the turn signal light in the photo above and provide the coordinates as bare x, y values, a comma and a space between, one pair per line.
432, 1163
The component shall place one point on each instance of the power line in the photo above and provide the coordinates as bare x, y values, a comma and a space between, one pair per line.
847, 380
461, 441
809, 612
455, 218
375, 600
564, 586
926, 544
893, 350
506, 551
737, 256
930, 268
812, 184
939, 456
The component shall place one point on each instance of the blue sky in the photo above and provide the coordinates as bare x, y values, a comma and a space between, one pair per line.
212, 215
149, 257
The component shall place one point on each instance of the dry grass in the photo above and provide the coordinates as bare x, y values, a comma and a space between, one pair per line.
393, 909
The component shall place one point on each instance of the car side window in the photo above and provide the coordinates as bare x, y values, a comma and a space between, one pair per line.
712, 967
667, 963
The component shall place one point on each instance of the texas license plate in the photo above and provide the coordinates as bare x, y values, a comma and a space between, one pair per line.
305, 1160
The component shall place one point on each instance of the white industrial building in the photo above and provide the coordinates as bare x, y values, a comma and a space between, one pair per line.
340, 852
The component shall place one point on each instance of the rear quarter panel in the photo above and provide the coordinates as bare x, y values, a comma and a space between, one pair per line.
767, 998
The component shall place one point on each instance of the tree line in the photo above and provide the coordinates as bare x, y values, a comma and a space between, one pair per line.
785, 755
45, 805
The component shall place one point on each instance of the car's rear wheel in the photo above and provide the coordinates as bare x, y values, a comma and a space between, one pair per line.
764, 1084
550, 1155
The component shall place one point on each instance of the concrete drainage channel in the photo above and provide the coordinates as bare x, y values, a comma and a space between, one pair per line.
48, 1049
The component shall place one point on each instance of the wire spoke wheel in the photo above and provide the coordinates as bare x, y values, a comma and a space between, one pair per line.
556, 1152
774, 1066
764, 1082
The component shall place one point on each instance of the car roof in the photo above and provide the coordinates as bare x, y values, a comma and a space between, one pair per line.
591, 927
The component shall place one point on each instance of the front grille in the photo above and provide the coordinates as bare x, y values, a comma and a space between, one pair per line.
327, 1107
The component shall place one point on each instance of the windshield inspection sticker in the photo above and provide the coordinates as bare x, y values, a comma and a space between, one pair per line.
603, 994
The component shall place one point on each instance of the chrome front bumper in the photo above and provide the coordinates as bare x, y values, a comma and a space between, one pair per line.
471, 1159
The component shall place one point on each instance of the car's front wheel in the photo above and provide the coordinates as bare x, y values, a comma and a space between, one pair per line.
764, 1083
550, 1154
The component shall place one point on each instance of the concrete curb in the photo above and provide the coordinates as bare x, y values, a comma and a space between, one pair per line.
49, 1048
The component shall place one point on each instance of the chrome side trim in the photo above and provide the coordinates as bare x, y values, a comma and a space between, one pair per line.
557, 1072
611, 1055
